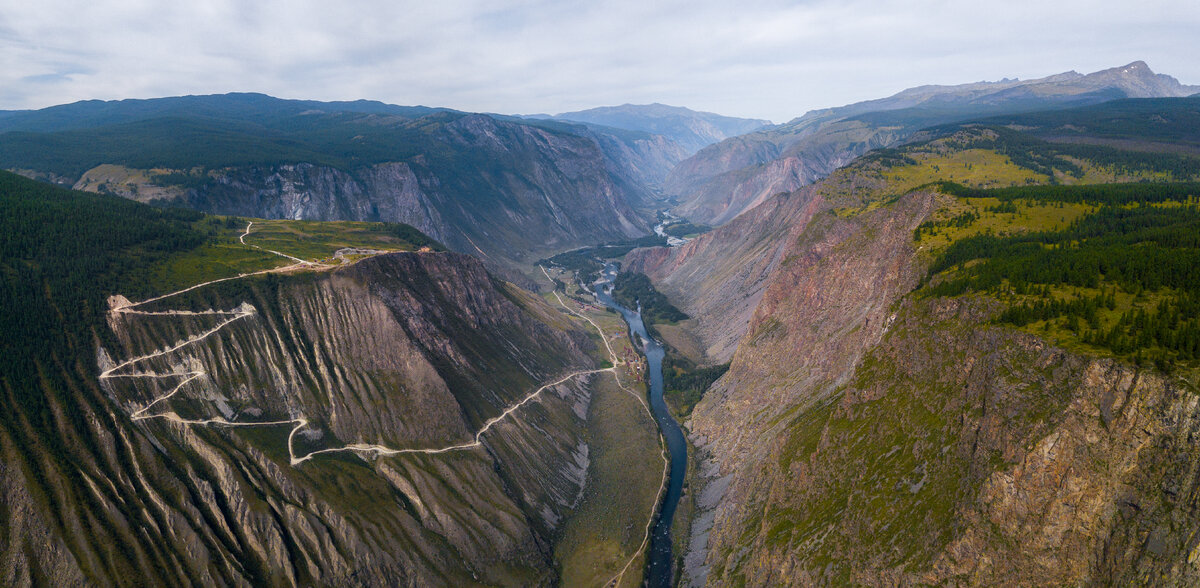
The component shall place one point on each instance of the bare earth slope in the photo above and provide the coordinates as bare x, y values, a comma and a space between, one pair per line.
410, 350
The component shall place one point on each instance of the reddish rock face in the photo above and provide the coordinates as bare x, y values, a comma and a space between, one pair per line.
866, 436
719, 277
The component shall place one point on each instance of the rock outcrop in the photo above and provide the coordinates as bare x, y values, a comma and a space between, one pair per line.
720, 276
508, 193
960, 454
868, 435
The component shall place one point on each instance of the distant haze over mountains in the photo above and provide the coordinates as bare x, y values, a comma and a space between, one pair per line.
691, 129
723, 180
506, 189
1135, 80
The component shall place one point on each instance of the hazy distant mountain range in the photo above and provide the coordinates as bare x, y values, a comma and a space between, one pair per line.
691, 129
730, 177
967, 358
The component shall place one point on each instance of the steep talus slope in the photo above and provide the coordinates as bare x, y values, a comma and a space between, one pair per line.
405, 350
725, 179
405, 324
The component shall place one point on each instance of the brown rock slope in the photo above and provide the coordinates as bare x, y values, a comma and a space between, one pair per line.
865, 435
720, 276
405, 350
960, 454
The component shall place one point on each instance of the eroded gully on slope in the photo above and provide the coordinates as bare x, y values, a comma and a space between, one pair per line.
122, 306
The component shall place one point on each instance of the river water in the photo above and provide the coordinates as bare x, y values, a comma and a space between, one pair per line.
659, 564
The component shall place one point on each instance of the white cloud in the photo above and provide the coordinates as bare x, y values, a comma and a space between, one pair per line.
769, 59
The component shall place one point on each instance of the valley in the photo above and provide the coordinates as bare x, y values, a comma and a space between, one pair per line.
186, 363
819, 380
946, 337
661, 564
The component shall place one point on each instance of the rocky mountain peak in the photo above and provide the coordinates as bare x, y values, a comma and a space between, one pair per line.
1137, 80
725, 179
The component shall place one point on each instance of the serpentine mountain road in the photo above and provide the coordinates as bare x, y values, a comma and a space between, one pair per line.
123, 306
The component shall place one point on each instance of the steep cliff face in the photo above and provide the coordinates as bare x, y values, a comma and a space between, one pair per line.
723, 180
957, 453
643, 159
407, 351
719, 277
504, 188
870, 434
824, 308
508, 192
387, 191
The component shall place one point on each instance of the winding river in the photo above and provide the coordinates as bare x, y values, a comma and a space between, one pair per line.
659, 564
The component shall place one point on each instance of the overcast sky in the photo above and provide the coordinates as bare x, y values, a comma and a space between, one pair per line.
772, 60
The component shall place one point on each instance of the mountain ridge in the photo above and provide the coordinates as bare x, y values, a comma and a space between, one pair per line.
154, 446
878, 427
508, 190
237, 105
690, 128
725, 179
